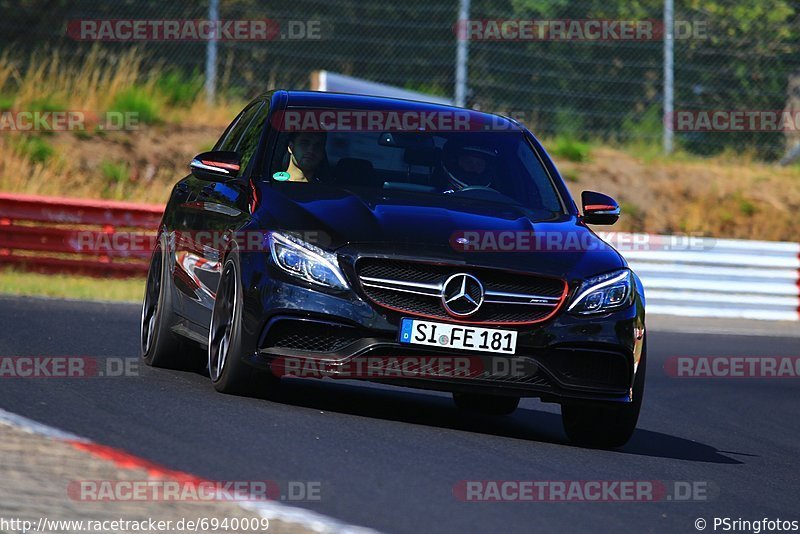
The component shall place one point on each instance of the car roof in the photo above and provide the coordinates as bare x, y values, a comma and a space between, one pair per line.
324, 99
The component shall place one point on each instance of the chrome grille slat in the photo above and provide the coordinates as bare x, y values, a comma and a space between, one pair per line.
520, 295
400, 289
434, 290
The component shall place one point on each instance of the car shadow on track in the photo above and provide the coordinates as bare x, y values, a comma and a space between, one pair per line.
422, 408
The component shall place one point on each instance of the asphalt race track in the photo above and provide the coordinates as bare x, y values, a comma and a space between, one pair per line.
389, 458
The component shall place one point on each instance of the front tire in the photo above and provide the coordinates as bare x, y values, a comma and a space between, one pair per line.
605, 426
486, 404
229, 374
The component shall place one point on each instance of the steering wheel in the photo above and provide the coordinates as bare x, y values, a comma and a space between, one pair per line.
484, 192
478, 188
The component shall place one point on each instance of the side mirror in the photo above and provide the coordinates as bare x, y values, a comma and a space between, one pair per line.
599, 208
216, 166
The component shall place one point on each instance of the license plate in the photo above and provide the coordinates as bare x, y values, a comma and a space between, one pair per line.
453, 336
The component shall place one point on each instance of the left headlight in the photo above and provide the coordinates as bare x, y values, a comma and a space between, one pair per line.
604, 293
306, 261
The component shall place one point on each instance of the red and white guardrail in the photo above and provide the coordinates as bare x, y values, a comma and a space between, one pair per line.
44, 234
732, 278
721, 278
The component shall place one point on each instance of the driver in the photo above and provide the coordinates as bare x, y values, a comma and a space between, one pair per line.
469, 165
307, 158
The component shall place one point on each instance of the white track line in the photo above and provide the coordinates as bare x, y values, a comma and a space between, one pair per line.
267, 509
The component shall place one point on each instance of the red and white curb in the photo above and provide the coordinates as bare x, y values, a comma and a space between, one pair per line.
266, 509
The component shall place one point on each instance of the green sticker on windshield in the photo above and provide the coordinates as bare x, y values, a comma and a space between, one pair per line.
281, 176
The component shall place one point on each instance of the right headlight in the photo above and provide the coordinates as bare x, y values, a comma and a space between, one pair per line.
604, 293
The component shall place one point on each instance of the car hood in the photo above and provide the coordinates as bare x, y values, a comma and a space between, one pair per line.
428, 226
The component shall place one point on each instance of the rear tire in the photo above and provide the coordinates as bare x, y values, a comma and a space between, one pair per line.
159, 346
486, 404
604, 426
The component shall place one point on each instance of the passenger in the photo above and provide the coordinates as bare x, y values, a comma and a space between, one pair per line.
307, 157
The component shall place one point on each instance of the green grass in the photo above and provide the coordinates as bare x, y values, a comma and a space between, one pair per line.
427, 88
569, 148
82, 134
650, 150
139, 102
114, 173
115, 177
47, 105
14, 282
6, 102
644, 126
179, 91
34, 148
570, 175
746, 207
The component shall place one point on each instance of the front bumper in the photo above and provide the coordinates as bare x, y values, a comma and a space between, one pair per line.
341, 335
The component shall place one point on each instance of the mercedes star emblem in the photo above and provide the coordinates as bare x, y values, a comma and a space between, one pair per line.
462, 295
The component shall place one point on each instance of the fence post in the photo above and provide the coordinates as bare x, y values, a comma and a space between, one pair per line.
211, 53
669, 75
462, 53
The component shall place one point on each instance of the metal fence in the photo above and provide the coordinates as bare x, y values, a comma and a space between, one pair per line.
728, 55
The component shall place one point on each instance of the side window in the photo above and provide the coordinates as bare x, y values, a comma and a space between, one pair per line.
230, 139
542, 190
249, 143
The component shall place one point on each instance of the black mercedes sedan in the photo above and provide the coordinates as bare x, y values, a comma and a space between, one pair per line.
342, 236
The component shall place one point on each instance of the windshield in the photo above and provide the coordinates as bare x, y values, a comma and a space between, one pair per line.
490, 166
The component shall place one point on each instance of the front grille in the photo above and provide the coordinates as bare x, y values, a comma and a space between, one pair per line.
308, 336
415, 288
